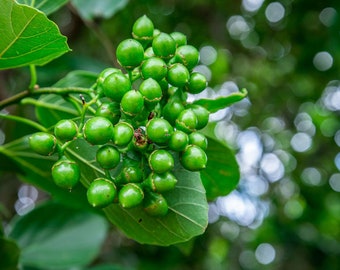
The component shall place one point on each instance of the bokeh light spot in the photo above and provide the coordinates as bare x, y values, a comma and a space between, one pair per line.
323, 61
265, 253
275, 12
301, 142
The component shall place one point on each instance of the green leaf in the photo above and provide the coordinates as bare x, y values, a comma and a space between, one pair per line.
90, 9
9, 254
108, 267
53, 236
28, 37
188, 215
213, 105
46, 6
221, 175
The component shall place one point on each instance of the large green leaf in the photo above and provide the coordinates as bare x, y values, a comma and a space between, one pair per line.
188, 215
27, 36
222, 173
90, 9
53, 236
9, 254
213, 105
46, 6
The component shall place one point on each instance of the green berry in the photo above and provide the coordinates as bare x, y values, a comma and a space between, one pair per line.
102, 76
187, 55
179, 38
131, 174
43, 143
148, 53
161, 182
101, 192
194, 158
108, 157
155, 204
116, 85
130, 53
142, 30
178, 75
98, 130
151, 91
65, 173
66, 130
187, 121
132, 103
197, 83
198, 139
130, 195
172, 110
202, 115
109, 110
159, 130
122, 134
164, 46
154, 67
161, 161
178, 141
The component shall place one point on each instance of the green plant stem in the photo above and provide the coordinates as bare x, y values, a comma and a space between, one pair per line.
46, 90
33, 78
83, 113
24, 121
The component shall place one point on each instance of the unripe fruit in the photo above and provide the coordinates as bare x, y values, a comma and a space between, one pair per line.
130, 53
202, 115
194, 158
151, 91
109, 110
172, 110
154, 67
132, 103
108, 157
122, 134
161, 161
148, 53
178, 141
65, 173
178, 75
101, 192
159, 130
66, 130
116, 85
130, 195
199, 140
131, 174
164, 46
98, 130
161, 182
155, 204
179, 38
142, 30
197, 83
187, 121
43, 143
187, 55
102, 76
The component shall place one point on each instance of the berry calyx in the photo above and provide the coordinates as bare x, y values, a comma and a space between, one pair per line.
43, 143
65, 173
108, 157
101, 192
161, 161
98, 130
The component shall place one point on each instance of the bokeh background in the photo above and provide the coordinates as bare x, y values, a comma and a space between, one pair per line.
285, 213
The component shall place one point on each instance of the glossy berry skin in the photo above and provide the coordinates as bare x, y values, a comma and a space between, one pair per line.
154, 67
197, 83
161, 182
131, 174
179, 38
198, 139
130, 53
65, 173
132, 103
178, 75
155, 204
187, 121
108, 157
101, 192
102, 76
159, 130
142, 30
164, 46
109, 110
187, 55
43, 143
172, 110
194, 158
161, 161
115, 86
151, 91
202, 115
122, 134
130, 195
178, 141
98, 130
66, 130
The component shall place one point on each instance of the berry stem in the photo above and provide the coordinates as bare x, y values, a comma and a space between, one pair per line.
33, 82
86, 106
24, 121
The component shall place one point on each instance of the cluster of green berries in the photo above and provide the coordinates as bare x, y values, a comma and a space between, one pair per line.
142, 123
